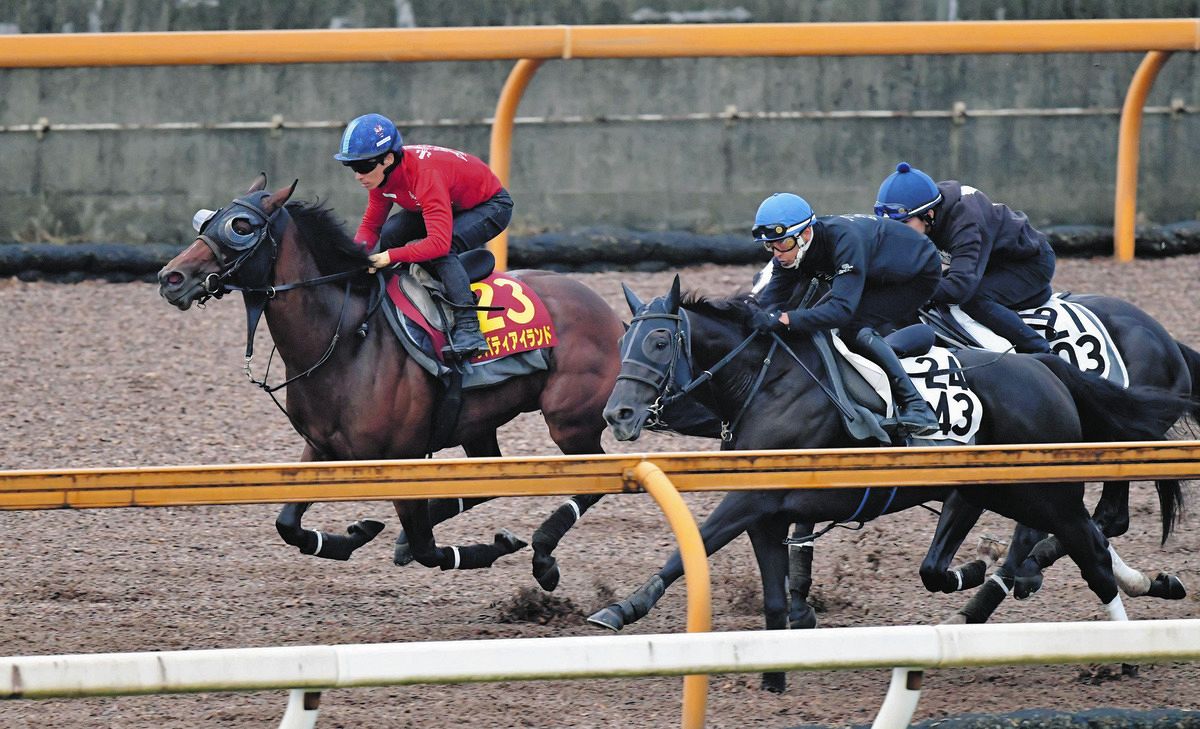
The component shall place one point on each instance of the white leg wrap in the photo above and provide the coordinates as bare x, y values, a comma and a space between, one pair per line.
958, 576
574, 508
320, 542
1116, 609
996, 578
1131, 582
458, 559
461, 509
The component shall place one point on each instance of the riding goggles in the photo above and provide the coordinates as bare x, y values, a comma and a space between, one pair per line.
899, 212
363, 166
774, 234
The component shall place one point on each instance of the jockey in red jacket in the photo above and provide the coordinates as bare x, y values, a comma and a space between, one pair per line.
450, 202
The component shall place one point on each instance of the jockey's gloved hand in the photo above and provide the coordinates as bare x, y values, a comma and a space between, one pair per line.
767, 321
379, 260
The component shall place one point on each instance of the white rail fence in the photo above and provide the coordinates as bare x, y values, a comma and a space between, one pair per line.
306, 670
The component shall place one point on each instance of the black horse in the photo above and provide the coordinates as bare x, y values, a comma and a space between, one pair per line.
790, 405
1153, 358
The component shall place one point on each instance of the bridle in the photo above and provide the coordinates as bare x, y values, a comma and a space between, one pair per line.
668, 371
234, 249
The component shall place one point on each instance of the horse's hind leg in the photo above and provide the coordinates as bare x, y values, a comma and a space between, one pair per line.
547, 536
414, 515
442, 509
772, 556
321, 544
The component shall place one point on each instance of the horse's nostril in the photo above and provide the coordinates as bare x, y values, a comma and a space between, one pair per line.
174, 278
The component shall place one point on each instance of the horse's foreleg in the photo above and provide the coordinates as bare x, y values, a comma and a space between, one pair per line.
772, 556
321, 544
734, 515
985, 600
957, 519
800, 558
546, 537
414, 516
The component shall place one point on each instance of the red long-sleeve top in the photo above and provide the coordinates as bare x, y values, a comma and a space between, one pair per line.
436, 181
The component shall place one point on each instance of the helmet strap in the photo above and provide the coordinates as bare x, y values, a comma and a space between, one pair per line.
387, 171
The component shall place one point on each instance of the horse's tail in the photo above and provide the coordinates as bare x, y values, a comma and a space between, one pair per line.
1109, 413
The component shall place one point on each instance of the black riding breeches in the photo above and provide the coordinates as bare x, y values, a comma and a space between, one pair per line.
473, 228
887, 307
1008, 287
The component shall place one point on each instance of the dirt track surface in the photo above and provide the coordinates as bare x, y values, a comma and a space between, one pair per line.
102, 374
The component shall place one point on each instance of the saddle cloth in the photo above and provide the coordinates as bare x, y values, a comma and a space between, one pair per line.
1074, 333
937, 375
519, 332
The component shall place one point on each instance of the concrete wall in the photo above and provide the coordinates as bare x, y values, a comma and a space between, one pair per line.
706, 175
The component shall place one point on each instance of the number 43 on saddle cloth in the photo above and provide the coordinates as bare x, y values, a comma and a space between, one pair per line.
512, 318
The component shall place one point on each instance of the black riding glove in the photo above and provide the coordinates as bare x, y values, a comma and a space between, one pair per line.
767, 321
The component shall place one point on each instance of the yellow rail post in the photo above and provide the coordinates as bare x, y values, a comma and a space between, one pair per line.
500, 156
1125, 206
695, 571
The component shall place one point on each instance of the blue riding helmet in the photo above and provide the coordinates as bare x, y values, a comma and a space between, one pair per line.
780, 216
367, 137
906, 193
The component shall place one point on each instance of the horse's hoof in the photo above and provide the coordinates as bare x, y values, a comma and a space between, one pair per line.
365, 529
545, 571
1129, 669
776, 683
510, 542
609, 618
955, 619
804, 619
1167, 587
1026, 587
402, 552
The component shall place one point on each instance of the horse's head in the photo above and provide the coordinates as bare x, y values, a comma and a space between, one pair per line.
653, 359
237, 244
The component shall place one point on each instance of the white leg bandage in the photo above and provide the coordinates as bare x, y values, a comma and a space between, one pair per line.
457, 558
574, 508
996, 578
320, 542
1131, 582
1116, 609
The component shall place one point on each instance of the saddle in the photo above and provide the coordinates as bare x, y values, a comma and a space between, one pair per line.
869, 411
416, 308
1073, 331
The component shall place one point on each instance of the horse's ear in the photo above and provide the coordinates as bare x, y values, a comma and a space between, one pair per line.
260, 183
279, 197
635, 304
673, 297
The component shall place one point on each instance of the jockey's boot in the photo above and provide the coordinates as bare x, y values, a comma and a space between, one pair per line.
466, 341
1008, 324
913, 414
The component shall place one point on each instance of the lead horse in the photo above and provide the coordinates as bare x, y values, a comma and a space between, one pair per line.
363, 397
1026, 399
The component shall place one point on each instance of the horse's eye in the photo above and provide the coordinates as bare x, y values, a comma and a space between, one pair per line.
661, 344
241, 226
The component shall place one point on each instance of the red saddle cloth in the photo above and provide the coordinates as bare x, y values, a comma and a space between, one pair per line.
522, 324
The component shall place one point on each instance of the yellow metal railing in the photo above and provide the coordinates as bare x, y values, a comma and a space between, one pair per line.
531, 44
662, 475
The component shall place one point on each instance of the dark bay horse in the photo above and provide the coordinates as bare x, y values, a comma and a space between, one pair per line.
363, 397
1026, 399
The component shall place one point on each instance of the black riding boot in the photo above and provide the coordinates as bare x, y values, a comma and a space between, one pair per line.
1008, 324
912, 412
466, 341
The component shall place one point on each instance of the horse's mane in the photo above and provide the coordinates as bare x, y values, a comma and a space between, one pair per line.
323, 234
733, 309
